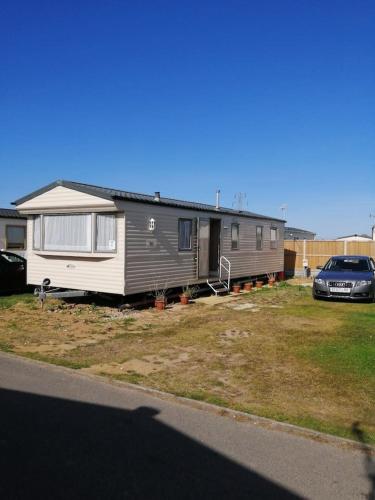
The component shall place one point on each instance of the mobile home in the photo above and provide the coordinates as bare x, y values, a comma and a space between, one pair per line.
85, 237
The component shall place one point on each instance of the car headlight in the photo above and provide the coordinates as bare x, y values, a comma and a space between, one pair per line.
363, 283
319, 281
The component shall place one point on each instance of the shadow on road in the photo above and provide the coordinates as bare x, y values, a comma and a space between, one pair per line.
56, 448
369, 460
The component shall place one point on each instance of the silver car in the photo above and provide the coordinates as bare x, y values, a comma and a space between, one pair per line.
349, 277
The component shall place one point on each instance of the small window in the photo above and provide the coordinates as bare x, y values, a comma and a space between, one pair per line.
105, 233
36, 232
273, 242
185, 230
235, 236
259, 237
15, 237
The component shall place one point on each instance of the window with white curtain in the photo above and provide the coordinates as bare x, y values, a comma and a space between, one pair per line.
185, 231
105, 240
36, 232
70, 233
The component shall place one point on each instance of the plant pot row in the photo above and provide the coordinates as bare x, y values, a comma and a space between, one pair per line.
247, 287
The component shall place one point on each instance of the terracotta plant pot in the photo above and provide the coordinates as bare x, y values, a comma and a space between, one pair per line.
248, 287
271, 282
259, 284
236, 288
184, 299
160, 304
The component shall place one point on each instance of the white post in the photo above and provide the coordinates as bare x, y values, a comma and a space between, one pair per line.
345, 247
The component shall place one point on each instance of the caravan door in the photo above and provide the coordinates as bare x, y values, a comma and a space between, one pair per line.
203, 234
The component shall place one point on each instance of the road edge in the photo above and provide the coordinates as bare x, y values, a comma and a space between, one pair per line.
237, 415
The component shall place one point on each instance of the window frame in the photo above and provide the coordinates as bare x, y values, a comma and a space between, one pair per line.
235, 224
185, 219
256, 238
35, 217
7, 247
95, 232
92, 250
274, 243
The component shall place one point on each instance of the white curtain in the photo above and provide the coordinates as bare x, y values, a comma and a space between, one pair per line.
67, 232
105, 233
36, 241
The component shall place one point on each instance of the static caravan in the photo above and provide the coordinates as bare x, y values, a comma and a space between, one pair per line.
97, 239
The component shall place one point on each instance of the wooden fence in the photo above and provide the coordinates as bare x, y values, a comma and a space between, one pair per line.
317, 252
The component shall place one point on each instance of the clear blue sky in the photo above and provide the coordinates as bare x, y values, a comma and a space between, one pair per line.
272, 98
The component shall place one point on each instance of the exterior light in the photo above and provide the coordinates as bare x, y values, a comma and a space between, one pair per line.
151, 224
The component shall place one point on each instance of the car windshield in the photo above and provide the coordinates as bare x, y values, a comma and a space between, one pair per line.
355, 265
11, 257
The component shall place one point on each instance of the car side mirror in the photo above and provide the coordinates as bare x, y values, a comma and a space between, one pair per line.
319, 267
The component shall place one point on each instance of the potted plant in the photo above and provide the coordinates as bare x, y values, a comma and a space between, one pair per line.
259, 283
271, 279
248, 286
236, 287
160, 295
188, 292
160, 301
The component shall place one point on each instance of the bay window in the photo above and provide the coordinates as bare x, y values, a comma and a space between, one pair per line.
70, 233
75, 232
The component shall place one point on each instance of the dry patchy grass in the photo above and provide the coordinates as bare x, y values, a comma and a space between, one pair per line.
276, 353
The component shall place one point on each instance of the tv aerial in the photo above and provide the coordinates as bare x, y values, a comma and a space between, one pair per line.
240, 202
284, 209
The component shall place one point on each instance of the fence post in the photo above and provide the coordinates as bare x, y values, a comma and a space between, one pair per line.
345, 247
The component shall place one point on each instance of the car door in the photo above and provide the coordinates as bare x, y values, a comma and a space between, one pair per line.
12, 272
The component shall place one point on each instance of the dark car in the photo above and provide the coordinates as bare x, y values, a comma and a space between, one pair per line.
348, 277
12, 272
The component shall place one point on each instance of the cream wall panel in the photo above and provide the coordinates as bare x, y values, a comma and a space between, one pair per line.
97, 274
64, 198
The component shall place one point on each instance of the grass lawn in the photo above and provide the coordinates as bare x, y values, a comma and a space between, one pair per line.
274, 352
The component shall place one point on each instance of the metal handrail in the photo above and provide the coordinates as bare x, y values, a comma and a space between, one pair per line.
227, 267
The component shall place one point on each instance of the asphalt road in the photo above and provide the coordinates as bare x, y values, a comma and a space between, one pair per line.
65, 436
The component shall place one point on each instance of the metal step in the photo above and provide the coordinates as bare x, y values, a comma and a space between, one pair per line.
218, 287
216, 284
